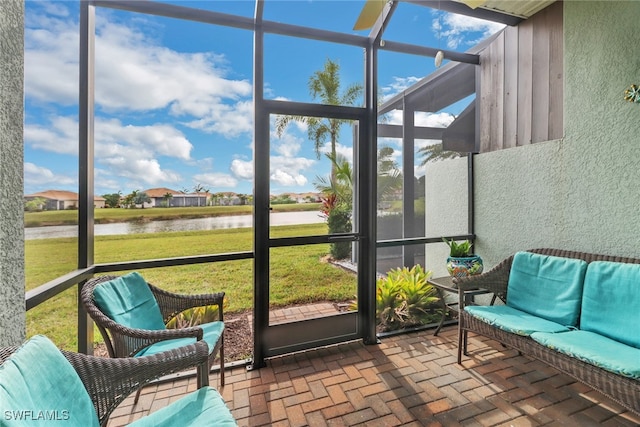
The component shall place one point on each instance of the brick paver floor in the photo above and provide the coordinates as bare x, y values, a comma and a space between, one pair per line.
410, 379
301, 312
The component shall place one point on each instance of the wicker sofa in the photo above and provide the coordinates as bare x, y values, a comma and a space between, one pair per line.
577, 312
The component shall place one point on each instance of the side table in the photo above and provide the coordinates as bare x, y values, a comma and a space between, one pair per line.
445, 285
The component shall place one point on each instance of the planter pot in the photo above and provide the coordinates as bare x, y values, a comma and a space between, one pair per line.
464, 266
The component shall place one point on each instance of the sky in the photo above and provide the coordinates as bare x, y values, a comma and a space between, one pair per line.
173, 99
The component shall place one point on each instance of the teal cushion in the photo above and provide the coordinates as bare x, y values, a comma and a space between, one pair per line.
38, 386
211, 334
203, 407
128, 301
547, 286
596, 350
611, 301
512, 320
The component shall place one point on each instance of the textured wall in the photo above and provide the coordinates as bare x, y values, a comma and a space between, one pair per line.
446, 208
582, 192
12, 315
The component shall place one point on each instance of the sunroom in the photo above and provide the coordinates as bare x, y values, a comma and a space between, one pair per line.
522, 140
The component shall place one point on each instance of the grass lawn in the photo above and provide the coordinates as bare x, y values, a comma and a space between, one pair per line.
297, 275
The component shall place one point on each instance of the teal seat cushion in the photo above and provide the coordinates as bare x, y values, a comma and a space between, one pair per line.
547, 286
595, 349
211, 334
203, 407
128, 301
513, 320
611, 301
38, 386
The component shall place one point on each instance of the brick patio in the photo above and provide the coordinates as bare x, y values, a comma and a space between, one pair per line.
410, 379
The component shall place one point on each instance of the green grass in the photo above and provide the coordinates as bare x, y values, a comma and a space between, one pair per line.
297, 274
70, 217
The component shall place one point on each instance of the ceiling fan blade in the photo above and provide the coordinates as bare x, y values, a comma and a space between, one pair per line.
474, 3
369, 14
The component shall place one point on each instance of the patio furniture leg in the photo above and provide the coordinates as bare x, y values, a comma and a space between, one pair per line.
135, 399
460, 332
462, 343
444, 311
202, 374
222, 362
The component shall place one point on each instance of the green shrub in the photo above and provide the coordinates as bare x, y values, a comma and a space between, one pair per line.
404, 299
195, 316
339, 221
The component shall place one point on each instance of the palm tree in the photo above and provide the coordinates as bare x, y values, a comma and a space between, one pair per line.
342, 183
167, 196
435, 152
129, 199
337, 202
141, 198
199, 188
389, 175
325, 85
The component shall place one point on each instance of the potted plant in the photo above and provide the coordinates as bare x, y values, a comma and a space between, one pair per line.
461, 262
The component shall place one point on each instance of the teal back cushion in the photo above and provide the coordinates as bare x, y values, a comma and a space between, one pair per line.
547, 286
128, 300
611, 302
38, 386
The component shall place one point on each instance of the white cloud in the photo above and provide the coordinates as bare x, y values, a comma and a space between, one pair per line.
60, 136
147, 76
242, 169
457, 29
158, 139
52, 48
38, 176
144, 170
398, 85
435, 120
341, 150
111, 138
135, 73
227, 120
287, 179
287, 171
287, 145
105, 182
125, 150
216, 180
346, 152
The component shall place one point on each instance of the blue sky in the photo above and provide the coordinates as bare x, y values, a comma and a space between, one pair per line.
174, 99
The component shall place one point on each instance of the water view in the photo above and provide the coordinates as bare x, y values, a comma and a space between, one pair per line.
211, 223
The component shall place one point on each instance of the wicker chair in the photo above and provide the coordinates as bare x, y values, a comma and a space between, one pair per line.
109, 381
123, 341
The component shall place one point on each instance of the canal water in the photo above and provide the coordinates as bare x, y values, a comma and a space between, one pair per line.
211, 223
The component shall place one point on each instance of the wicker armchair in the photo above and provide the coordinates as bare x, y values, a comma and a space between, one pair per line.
123, 341
109, 381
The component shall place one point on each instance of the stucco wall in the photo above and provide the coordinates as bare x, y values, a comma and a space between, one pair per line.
12, 315
446, 208
582, 192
